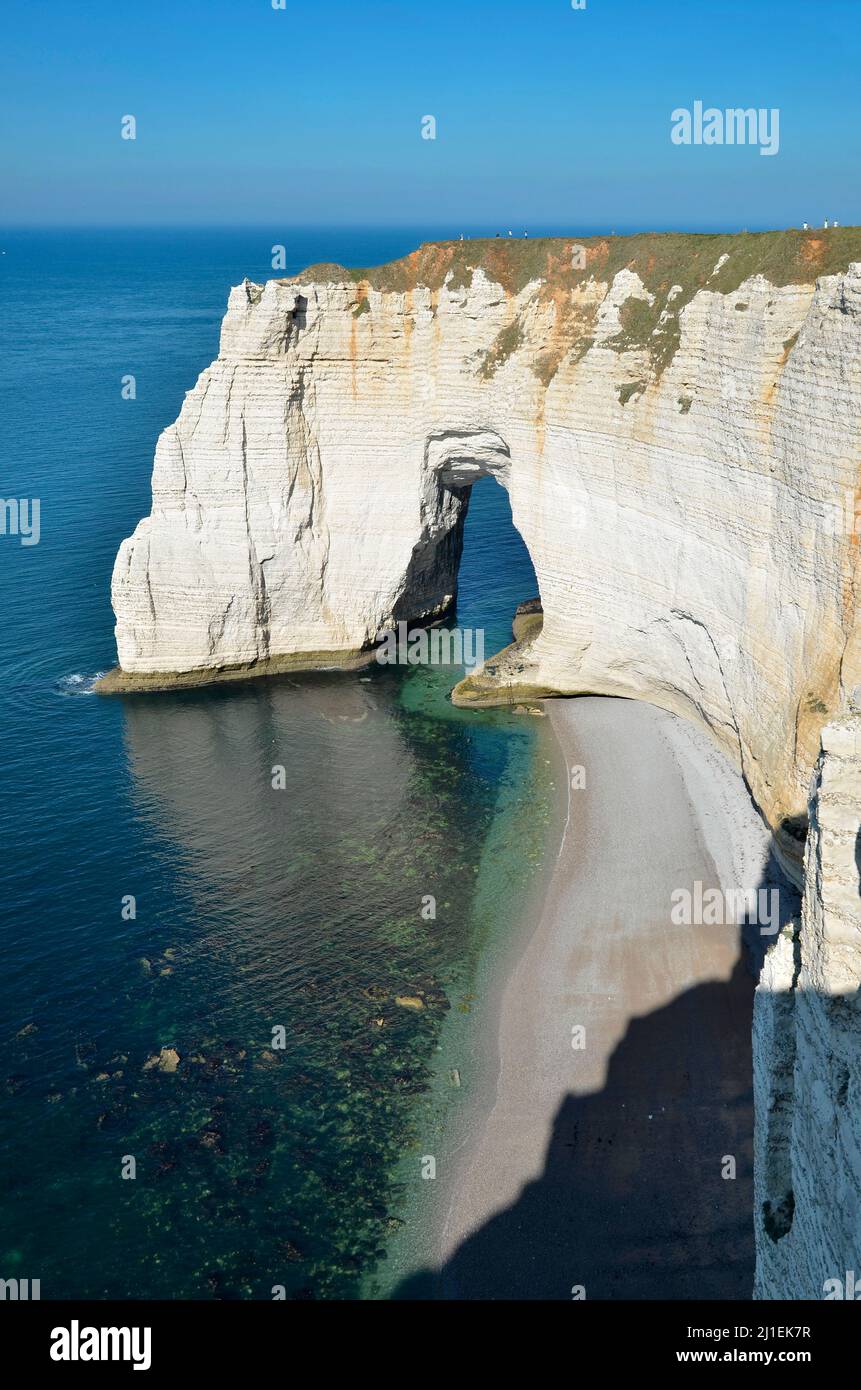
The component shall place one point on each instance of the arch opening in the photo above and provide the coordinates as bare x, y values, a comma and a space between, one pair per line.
472, 567
496, 574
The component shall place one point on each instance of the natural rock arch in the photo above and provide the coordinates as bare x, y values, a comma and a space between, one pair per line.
677, 420
681, 496
454, 460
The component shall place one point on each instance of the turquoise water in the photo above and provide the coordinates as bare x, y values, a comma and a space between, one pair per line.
256, 909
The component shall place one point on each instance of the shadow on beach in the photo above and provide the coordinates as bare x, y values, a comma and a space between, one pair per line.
632, 1202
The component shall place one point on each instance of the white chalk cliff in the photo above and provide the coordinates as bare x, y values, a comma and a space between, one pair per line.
677, 420
807, 1056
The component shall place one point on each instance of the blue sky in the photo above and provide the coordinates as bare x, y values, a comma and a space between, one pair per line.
546, 116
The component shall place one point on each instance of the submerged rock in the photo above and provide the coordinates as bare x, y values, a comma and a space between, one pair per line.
167, 1060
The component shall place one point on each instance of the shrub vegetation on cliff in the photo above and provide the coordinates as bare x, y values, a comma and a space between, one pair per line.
682, 262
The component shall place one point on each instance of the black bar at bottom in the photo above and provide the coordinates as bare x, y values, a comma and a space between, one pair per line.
224, 1338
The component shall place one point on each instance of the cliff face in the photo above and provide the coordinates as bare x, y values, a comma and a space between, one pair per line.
677, 424
807, 1064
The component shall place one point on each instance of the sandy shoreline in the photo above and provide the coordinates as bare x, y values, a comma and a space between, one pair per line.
601, 1165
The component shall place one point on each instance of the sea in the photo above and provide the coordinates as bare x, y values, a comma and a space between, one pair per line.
208, 1087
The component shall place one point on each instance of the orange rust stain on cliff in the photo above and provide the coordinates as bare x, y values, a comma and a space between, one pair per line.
559, 267
812, 251
598, 253
850, 575
822, 679
497, 266
541, 424
362, 289
555, 351
409, 318
430, 264
856, 518
435, 335
413, 267
561, 301
556, 345
571, 324
767, 394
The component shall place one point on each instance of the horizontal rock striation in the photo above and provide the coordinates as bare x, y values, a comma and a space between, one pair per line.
807, 1061
677, 420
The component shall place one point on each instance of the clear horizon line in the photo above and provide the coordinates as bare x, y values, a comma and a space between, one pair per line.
477, 228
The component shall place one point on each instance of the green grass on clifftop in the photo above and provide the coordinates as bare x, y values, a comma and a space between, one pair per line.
662, 260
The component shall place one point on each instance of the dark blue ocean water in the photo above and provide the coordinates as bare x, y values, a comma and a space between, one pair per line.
255, 909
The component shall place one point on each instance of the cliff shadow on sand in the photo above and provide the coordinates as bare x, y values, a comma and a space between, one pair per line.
631, 1202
